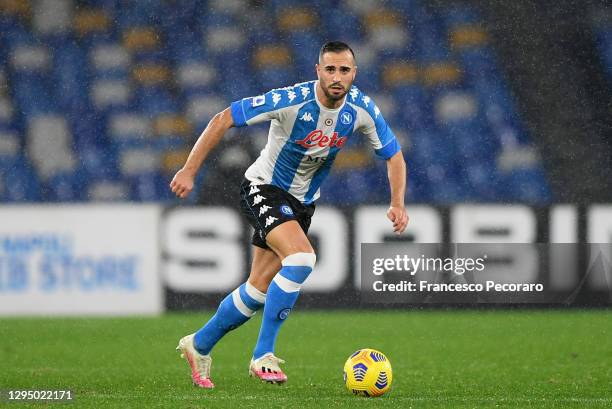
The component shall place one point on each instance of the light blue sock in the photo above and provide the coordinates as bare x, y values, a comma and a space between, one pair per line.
282, 294
235, 309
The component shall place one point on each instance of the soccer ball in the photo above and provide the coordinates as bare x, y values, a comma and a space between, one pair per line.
367, 372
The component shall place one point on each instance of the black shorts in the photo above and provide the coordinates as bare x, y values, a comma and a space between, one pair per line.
267, 206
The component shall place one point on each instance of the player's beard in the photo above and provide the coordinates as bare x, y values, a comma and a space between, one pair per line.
334, 97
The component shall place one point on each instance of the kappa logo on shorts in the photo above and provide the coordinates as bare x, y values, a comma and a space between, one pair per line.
263, 209
254, 189
286, 210
257, 200
270, 220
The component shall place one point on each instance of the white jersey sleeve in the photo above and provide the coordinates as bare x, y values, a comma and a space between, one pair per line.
268, 106
371, 123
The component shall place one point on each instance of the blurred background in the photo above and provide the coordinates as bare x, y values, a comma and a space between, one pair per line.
502, 106
101, 100
503, 109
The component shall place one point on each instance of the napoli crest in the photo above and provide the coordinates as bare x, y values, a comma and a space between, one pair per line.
346, 118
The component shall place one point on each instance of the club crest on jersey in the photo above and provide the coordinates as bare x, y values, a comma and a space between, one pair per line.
286, 210
346, 118
318, 138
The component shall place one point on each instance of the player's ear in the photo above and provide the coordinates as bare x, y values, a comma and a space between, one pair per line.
317, 68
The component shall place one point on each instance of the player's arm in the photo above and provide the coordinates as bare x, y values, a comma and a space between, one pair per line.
182, 183
396, 172
386, 146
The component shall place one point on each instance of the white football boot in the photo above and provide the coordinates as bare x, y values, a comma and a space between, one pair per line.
200, 364
267, 369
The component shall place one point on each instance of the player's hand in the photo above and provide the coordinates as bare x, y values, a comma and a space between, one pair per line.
182, 184
399, 217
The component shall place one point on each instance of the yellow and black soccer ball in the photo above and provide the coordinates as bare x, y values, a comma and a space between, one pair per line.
367, 372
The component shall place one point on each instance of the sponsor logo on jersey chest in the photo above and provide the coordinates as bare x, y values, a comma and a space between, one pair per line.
318, 138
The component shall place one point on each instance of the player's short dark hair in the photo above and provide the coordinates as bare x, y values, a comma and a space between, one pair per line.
335, 47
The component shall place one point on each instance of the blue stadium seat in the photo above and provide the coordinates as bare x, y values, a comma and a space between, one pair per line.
32, 96
153, 101
139, 13
65, 187
351, 26
458, 14
415, 111
20, 184
96, 82
527, 186
151, 187
70, 79
484, 180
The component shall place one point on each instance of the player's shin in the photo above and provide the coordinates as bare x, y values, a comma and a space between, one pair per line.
236, 309
282, 294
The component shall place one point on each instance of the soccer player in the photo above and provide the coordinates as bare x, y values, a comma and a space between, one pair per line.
310, 122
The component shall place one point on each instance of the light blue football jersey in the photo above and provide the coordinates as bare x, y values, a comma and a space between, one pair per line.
305, 137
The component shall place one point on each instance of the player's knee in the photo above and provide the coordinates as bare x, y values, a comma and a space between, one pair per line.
300, 259
296, 269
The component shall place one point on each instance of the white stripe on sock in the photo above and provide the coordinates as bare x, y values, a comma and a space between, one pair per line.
240, 305
254, 293
286, 285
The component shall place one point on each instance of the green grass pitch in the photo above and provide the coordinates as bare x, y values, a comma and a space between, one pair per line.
440, 359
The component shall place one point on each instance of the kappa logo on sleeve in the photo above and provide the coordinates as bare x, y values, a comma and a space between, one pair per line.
276, 98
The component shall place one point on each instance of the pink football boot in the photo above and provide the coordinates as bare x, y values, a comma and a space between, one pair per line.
200, 364
266, 368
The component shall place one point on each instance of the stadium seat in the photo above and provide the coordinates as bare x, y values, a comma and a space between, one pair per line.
196, 77
65, 187
153, 101
387, 32
138, 161
110, 78
129, 129
49, 145
21, 184
108, 191
151, 187
7, 111
109, 95
52, 17
200, 109
110, 60
70, 79
90, 21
